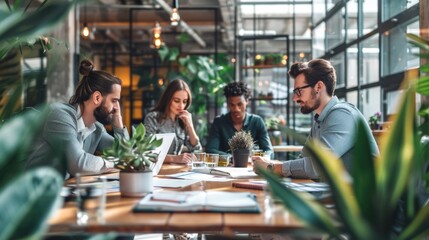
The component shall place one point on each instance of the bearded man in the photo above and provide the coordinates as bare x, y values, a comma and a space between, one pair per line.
77, 128
334, 124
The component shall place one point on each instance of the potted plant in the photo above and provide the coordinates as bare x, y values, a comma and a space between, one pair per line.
28, 198
374, 121
388, 197
133, 157
241, 145
274, 132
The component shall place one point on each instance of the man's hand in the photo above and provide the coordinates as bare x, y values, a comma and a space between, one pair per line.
259, 162
117, 117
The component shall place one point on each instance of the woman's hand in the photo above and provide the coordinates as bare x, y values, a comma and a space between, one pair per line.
186, 117
183, 158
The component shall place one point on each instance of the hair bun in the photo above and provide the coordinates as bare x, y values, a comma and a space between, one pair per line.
86, 67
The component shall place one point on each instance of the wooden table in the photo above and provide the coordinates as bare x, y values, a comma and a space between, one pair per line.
120, 218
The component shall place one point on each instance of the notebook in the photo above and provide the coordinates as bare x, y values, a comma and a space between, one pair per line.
319, 190
198, 201
167, 139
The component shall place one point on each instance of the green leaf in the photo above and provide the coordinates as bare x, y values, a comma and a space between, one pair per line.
398, 152
346, 203
419, 227
423, 85
363, 174
311, 212
34, 23
27, 202
163, 52
174, 53
25, 124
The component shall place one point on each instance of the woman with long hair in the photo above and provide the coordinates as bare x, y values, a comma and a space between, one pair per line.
170, 115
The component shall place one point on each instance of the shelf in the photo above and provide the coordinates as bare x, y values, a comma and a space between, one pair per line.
263, 66
267, 98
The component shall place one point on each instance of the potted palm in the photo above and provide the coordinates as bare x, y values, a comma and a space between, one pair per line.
241, 145
134, 157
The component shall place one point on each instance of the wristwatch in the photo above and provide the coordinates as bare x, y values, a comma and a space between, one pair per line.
270, 167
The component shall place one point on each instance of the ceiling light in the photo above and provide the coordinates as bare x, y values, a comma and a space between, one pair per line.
175, 17
85, 29
156, 35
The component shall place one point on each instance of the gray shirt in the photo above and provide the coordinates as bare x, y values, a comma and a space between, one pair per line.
60, 134
335, 127
169, 126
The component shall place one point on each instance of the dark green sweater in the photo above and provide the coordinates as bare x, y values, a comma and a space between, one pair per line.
223, 129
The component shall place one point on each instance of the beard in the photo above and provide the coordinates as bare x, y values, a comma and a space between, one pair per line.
103, 115
305, 109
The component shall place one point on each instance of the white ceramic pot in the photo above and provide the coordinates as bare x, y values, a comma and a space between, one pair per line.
135, 184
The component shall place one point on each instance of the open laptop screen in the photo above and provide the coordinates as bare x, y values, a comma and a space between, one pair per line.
167, 139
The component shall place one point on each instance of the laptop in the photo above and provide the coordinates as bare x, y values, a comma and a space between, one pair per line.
167, 140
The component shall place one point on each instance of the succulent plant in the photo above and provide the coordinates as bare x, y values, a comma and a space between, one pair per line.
135, 154
241, 140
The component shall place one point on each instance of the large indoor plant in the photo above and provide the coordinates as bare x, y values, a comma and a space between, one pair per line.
134, 157
241, 145
27, 198
387, 197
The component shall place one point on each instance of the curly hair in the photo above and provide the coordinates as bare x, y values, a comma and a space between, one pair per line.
236, 89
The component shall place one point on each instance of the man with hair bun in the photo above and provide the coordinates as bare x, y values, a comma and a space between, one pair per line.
78, 128
224, 126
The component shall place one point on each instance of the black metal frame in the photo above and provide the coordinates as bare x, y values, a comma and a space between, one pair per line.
240, 60
131, 12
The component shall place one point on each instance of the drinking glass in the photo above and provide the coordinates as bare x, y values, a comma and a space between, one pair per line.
212, 160
223, 160
90, 200
198, 160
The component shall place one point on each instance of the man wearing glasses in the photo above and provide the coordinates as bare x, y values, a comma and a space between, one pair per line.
334, 124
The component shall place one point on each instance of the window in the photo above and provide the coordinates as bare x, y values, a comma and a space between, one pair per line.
370, 52
352, 66
335, 30
370, 10
370, 101
338, 63
398, 54
319, 40
319, 10
352, 21
393, 7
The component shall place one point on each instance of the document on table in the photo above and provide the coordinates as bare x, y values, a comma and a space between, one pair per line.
232, 172
173, 183
198, 201
191, 175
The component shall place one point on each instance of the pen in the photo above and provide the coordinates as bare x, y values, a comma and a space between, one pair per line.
166, 200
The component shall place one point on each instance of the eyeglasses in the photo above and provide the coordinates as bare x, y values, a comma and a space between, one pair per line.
297, 91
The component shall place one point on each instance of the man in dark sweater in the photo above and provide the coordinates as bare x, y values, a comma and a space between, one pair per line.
224, 126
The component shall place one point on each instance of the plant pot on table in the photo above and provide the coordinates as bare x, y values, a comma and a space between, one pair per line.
135, 184
241, 157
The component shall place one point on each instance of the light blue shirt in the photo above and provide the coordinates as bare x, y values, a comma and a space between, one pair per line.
60, 133
335, 127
